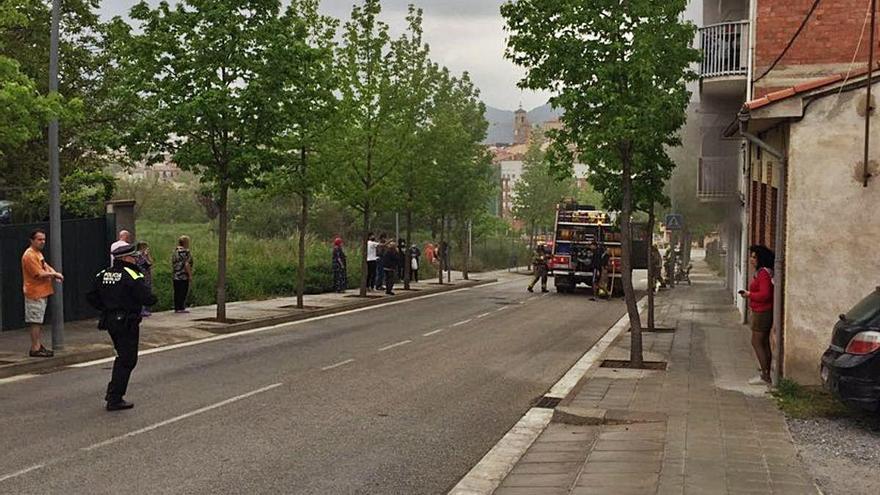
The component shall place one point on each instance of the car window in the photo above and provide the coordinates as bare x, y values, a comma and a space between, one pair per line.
867, 311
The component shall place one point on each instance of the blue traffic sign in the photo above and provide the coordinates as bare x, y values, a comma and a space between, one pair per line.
674, 221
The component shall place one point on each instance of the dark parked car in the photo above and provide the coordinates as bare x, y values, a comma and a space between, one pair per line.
5, 212
851, 365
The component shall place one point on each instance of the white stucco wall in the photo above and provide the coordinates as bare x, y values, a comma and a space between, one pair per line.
833, 227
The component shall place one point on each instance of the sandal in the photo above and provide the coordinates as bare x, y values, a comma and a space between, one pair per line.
43, 352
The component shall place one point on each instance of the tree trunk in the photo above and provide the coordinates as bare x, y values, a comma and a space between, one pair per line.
407, 263
221, 252
652, 277
366, 230
635, 356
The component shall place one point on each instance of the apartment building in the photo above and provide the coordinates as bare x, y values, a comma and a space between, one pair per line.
787, 74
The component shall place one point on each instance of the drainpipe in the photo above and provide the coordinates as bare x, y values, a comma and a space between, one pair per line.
747, 172
779, 244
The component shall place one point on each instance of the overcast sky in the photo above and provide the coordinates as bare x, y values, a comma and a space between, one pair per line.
465, 35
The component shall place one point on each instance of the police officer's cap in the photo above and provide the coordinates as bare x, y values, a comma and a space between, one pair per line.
125, 250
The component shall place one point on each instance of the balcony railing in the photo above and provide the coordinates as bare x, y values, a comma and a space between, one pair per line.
725, 49
718, 179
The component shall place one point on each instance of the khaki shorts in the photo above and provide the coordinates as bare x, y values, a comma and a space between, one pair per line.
35, 310
762, 321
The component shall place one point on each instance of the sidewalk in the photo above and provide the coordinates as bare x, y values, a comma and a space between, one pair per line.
695, 428
83, 342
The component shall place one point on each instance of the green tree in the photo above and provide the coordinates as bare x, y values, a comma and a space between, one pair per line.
83, 83
539, 190
618, 68
361, 137
304, 78
196, 87
413, 85
461, 179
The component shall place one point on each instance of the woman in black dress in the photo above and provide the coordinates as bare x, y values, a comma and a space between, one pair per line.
340, 279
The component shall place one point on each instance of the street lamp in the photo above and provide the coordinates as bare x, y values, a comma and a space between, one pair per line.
55, 187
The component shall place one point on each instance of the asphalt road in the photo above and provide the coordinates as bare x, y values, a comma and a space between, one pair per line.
399, 399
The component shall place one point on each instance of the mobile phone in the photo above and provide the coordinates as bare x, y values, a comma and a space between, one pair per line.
741, 291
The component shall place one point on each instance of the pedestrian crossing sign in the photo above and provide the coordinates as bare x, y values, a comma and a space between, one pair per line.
674, 221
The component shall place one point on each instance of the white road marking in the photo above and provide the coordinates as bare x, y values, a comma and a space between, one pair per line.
462, 322
267, 329
23, 471
502, 308
433, 332
397, 344
341, 363
485, 477
484, 315
16, 378
179, 418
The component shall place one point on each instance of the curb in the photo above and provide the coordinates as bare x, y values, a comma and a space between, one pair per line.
489, 473
62, 360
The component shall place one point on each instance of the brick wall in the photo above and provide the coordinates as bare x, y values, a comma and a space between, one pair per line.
826, 44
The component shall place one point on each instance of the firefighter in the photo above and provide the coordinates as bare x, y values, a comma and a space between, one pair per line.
600, 267
119, 293
539, 264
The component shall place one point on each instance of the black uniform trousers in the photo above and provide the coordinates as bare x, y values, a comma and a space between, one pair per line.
125, 338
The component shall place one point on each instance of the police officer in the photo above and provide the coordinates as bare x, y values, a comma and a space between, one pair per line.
539, 264
120, 293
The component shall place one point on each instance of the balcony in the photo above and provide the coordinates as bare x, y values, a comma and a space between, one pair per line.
718, 180
725, 62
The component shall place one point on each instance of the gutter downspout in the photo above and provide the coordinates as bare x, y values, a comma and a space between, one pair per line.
779, 244
747, 163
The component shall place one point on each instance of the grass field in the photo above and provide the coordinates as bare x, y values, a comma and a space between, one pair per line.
257, 268
266, 268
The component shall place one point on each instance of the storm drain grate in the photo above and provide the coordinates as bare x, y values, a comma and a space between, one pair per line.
548, 402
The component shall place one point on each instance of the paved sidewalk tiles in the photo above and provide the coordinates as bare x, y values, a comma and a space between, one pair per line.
710, 432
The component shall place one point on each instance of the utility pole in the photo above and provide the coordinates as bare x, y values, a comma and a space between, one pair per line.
55, 187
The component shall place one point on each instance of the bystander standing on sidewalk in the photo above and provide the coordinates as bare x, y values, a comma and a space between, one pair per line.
181, 273
414, 254
760, 296
390, 260
402, 258
380, 261
37, 276
372, 260
145, 265
124, 238
340, 277
430, 253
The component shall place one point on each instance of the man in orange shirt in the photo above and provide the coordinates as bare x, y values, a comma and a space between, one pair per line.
37, 276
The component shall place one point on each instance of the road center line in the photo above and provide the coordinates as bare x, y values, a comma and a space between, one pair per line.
462, 322
341, 363
179, 418
23, 471
16, 378
484, 315
502, 308
433, 332
392, 346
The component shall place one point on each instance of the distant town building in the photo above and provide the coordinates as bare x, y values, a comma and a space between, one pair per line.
165, 171
522, 130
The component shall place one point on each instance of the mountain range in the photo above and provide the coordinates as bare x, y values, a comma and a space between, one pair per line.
501, 122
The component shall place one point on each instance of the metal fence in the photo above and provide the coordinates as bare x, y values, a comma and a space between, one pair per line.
725, 49
86, 251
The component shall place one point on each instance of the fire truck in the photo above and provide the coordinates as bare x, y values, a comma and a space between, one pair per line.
576, 227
